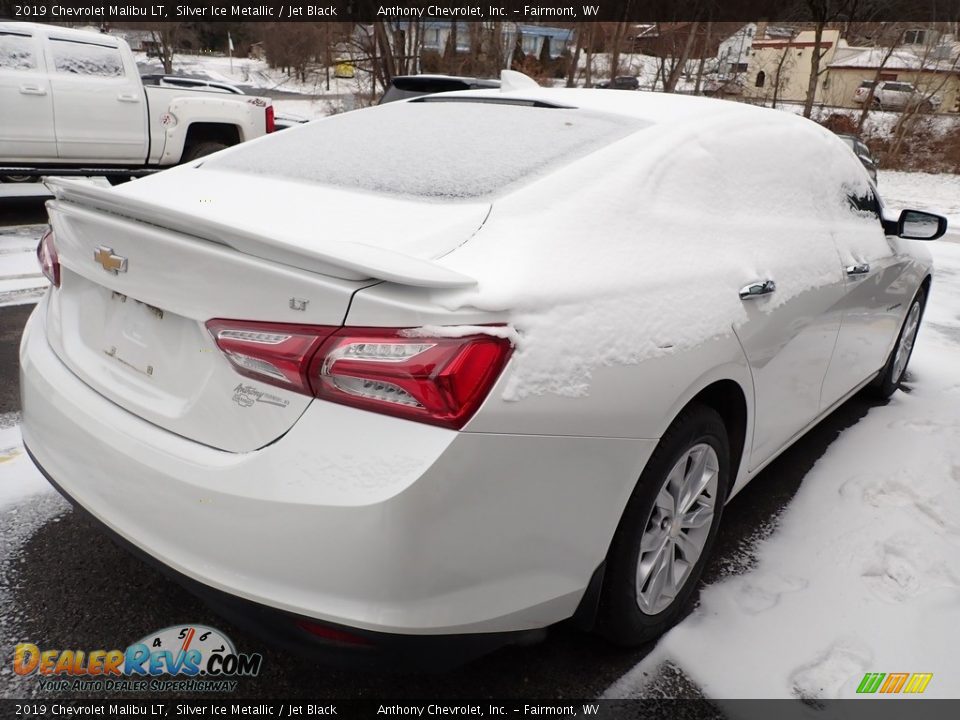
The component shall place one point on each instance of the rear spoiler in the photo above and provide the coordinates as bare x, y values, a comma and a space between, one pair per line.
346, 260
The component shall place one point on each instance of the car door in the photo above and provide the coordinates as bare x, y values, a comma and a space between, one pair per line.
875, 298
26, 104
789, 344
98, 102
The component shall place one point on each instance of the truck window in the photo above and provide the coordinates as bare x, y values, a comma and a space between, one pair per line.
16, 52
81, 58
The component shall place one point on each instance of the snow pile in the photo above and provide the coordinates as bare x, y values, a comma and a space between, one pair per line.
863, 573
641, 248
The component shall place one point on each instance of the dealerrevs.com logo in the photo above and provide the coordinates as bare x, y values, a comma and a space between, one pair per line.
182, 658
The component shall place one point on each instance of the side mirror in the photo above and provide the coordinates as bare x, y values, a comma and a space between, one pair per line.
917, 225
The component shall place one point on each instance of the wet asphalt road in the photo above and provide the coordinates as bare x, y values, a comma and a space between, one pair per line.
70, 586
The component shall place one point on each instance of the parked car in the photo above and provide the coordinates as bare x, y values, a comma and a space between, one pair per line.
621, 82
72, 102
464, 390
895, 95
863, 154
404, 87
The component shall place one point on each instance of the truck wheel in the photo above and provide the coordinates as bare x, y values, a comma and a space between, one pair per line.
18, 178
200, 149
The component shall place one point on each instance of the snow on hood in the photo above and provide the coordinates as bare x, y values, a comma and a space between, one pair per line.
640, 249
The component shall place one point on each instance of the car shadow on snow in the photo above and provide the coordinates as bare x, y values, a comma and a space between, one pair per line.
82, 591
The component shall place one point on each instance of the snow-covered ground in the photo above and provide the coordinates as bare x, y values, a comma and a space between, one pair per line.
20, 278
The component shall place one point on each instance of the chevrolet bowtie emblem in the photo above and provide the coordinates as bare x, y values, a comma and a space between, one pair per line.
108, 261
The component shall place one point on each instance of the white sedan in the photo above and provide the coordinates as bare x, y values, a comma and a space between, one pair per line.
423, 379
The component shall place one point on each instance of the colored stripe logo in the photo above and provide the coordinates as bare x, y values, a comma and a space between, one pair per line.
894, 683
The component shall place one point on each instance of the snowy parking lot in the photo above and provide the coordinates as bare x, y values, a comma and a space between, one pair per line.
859, 573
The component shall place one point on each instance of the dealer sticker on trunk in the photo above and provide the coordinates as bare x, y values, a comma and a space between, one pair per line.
247, 395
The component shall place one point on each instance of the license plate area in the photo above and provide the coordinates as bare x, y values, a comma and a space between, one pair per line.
132, 330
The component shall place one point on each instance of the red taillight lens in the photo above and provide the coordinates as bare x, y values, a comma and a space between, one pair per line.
437, 380
271, 123
333, 634
48, 259
274, 353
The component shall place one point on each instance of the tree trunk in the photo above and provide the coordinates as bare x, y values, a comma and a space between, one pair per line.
588, 77
677, 69
575, 60
814, 70
777, 76
381, 39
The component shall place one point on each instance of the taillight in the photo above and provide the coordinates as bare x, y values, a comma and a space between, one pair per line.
274, 353
270, 120
48, 259
437, 380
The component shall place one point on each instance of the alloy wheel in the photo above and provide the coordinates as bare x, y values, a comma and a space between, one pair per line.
677, 529
907, 339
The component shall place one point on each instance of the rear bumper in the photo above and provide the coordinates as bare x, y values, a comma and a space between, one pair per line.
351, 518
335, 644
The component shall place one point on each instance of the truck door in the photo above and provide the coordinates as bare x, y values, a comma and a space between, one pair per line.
26, 104
98, 101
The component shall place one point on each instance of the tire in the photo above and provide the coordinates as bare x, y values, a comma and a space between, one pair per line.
19, 178
893, 371
201, 149
118, 179
631, 611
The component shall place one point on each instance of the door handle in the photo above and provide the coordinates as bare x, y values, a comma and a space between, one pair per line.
757, 289
31, 89
128, 97
860, 269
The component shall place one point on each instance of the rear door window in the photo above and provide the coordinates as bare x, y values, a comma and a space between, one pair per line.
17, 52
79, 58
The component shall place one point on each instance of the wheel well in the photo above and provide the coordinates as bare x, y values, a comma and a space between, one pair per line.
211, 132
727, 399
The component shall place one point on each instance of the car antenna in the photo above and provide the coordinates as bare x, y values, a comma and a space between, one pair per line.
513, 80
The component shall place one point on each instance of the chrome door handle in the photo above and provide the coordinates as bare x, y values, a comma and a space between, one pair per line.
860, 269
128, 97
757, 289
32, 90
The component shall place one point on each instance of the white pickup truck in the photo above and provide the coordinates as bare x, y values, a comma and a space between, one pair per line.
72, 103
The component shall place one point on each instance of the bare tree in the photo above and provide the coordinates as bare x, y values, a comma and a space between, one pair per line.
574, 63
889, 36
940, 72
671, 80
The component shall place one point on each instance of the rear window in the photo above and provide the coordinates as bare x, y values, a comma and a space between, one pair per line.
441, 150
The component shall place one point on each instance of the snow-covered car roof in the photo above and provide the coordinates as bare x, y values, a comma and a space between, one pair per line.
653, 107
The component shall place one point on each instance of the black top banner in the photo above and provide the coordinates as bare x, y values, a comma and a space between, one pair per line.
99, 11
